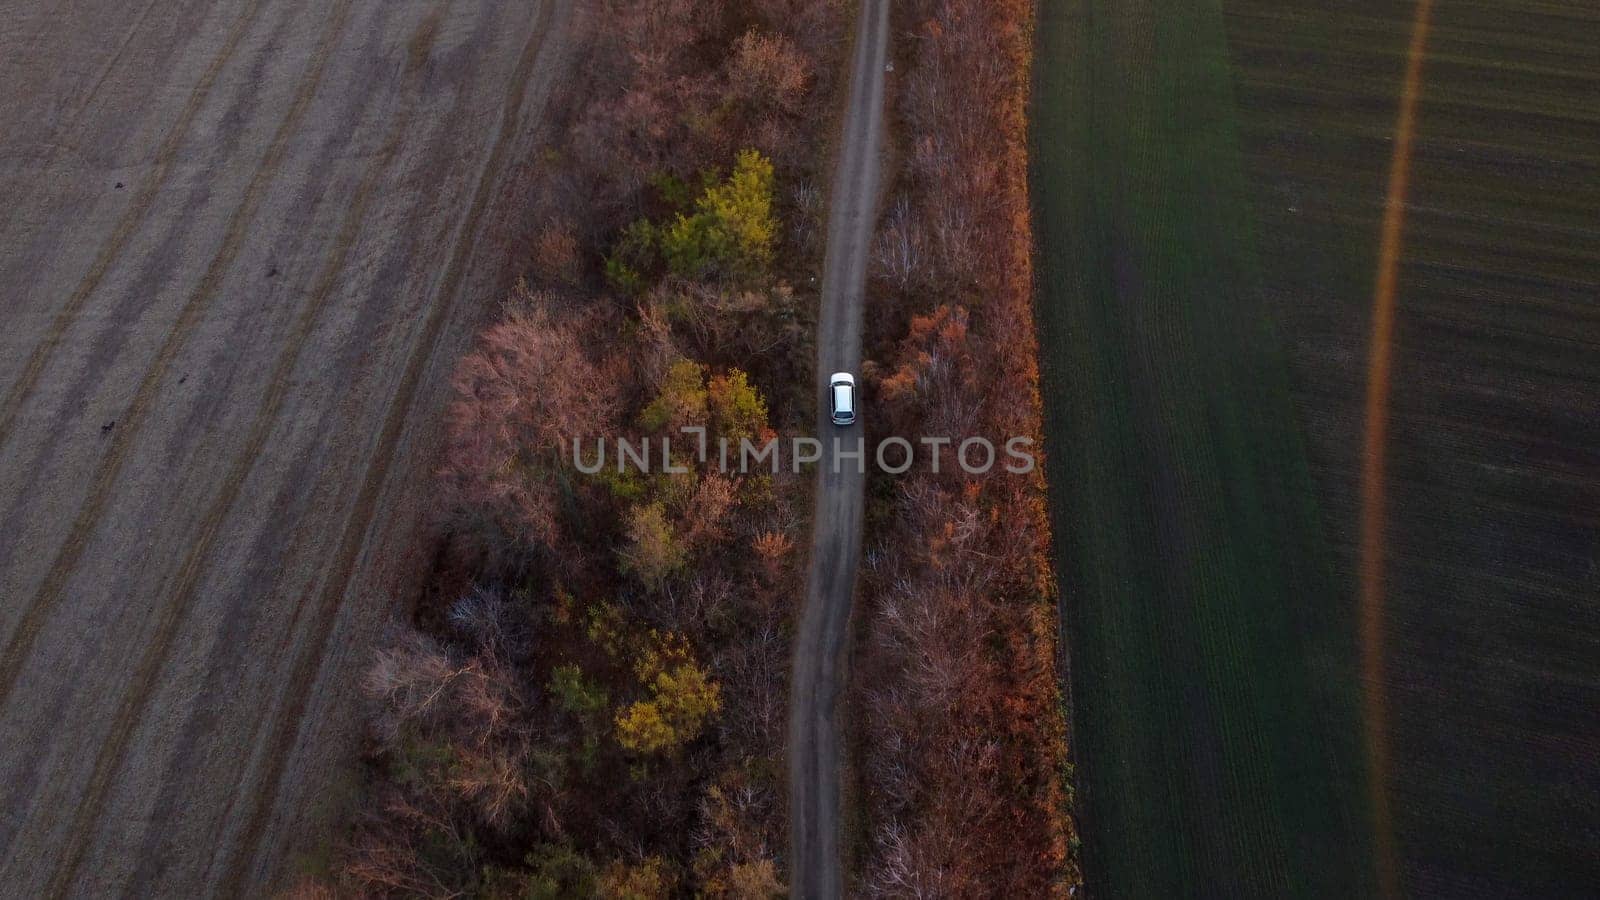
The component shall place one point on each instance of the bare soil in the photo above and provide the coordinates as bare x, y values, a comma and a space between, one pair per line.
243, 246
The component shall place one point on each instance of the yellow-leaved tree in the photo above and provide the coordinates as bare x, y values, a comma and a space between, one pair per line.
650, 878
653, 552
732, 229
680, 698
736, 406
682, 400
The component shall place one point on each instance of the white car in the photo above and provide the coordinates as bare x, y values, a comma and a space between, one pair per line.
842, 388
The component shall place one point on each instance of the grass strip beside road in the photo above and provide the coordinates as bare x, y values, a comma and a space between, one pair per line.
1215, 705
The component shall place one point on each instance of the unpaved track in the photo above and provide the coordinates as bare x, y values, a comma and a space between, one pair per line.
254, 236
819, 651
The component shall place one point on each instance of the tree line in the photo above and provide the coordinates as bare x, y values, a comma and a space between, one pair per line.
590, 700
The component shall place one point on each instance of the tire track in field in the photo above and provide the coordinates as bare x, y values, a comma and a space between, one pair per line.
131, 219
105, 71
1374, 448
312, 648
134, 703
20, 647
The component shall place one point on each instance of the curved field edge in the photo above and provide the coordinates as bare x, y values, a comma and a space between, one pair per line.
1214, 703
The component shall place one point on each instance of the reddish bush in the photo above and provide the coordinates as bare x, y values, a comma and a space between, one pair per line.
522, 398
964, 736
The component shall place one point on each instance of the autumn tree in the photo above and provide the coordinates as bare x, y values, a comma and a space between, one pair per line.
737, 408
632, 257
680, 698
767, 74
772, 550
706, 517
575, 693
931, 383
557, 871
768, 81
732, 229
681, 400
648, 879
734, 860
555, 254
521, 398
653, 552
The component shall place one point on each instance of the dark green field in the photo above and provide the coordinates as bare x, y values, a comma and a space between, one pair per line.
1214, 709
1493, 600
1208, 190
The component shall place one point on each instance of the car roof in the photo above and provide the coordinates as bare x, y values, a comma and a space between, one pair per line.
843, 397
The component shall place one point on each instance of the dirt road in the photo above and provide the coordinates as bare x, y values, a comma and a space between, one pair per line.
243, 244
819, 651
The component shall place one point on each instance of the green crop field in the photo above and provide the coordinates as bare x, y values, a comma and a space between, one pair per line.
1208, 184
1215, 713
1493, 596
